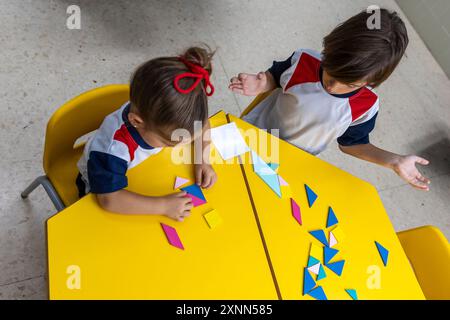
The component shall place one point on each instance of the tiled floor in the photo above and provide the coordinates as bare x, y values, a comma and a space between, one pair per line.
43, 64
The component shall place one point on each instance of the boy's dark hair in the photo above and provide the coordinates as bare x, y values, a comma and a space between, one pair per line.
156, 100
353, 52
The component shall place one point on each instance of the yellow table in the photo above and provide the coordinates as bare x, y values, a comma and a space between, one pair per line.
128, 257
361, 217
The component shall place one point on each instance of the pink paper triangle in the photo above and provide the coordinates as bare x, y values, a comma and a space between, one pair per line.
195, 200
172, 236
333, 240
296, 211
179, 181
282, 181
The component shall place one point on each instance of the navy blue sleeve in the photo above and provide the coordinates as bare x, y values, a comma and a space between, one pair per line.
278, 67
106, 173
358, 134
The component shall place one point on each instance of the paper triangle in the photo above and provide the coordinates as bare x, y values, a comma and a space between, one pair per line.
320, 235
273, 166
282, 181
321, 274
272, 181
315, 251
260, 167
296, 211
212, 219
179, 181
332, 241
384, 253
328, 254
315, 268
311, 195
318, 293
336, 267
172, 236
312, 261
196, 201
352, 293
194, 190
308, 281
331, 220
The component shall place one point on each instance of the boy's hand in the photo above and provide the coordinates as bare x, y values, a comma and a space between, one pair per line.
205, 176
405, 167
177, 206
251, 84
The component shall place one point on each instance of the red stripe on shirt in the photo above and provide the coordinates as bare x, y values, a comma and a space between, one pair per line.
123, 135
307, 70
361, 102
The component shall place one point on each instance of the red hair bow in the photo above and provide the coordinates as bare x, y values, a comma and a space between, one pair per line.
198, 73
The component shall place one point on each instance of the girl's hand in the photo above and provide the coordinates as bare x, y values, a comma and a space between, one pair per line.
205, 176
177, 206
251, 84
405, 167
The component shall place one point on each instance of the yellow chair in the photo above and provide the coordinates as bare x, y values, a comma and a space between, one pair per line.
74, 119
429, 253
255, 102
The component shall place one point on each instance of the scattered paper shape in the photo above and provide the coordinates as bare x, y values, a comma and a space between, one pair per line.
308, 281
318, 293
332, 219
272, 182
315, 268
172, 236
332, 241
194, 190
296, 211
273, 166
310, 195
321, 274
179, 181
338, 234
228, 141
315, 251
212, 218
384, 253
312, 261
320, 235
352, 293
336, 267
195, 201
282, 181
266, 173
328, 254
286, 192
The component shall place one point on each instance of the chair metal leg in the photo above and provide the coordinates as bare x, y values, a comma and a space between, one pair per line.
51, 192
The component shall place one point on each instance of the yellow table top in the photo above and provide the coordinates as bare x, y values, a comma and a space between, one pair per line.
361, 216
128, 257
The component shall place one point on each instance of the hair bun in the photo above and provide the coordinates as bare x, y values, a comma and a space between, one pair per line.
201, 56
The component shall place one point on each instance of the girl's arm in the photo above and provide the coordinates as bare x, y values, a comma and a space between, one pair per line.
404, 166
205, 176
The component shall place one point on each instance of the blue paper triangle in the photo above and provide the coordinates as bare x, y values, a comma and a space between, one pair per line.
272, 181
384, 253
318, 293
320, 235
331, 220
308, 282
352, 293
336, 267
312, 261
328, 254
195, 191
311, 195
321, 274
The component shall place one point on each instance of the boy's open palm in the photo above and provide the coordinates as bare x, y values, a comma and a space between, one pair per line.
407, 170
177, 206
249, 84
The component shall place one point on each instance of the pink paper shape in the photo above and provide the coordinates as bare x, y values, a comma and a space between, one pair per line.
195, 200
282, 181
179, 182
333, 240
296, 211
172, 236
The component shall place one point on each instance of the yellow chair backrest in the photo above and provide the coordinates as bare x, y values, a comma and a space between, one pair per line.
78, 117
429, 253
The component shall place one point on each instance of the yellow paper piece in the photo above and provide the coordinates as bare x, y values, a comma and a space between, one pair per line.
212, 218
316, 252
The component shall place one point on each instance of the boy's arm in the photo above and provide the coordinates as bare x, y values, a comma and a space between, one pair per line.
176, 206
404, 166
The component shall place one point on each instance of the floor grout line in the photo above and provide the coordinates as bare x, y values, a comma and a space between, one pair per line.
19, 281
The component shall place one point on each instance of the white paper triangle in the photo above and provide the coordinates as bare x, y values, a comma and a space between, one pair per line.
333, 240
315, 268
180, 182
